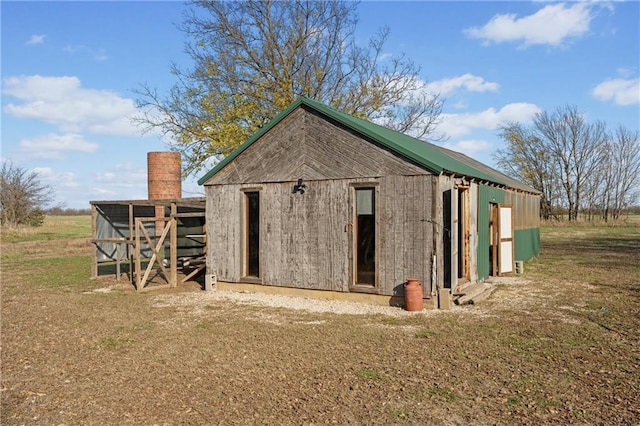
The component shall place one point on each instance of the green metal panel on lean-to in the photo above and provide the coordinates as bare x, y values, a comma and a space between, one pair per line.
527, 243
487, 195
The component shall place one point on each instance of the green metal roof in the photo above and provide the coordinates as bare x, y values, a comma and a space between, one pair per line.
432, 157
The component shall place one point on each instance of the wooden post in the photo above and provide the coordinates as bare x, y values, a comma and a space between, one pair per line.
130, 220
137, 255
132, 270
173, 245
118, 245
94, 229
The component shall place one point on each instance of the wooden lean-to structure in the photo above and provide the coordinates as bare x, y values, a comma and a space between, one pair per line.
151, 240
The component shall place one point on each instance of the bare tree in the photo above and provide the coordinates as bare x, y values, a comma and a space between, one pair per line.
253, 58
527, 158
576, 147
22, 196
574, 163
622, 188
602, 194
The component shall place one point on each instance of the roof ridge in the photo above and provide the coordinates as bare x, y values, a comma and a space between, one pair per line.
433, 157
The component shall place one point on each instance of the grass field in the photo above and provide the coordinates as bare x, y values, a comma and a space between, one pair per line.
558, 345
54, 228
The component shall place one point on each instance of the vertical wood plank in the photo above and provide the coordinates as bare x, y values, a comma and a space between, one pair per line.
272, 242
137, 256
173, 246
236, 229
132, 271
213, 226
391, 253
94, 232
342, 210
438, 231
311, 250
392, 235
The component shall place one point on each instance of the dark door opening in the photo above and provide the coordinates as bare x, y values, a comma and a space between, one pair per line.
365, 237
252, 233
446, 237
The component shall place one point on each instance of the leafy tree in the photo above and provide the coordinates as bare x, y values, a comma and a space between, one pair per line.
22, 196
253, 58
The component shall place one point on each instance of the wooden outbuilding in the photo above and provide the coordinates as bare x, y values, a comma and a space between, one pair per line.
148, 239
322, 203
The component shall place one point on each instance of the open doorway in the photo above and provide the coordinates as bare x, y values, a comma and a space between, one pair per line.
501, 255
447, 221
464, 234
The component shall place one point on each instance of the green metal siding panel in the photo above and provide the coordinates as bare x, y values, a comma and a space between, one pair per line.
527, 243
486, 196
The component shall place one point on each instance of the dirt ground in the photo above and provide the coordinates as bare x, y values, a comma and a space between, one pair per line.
79, 351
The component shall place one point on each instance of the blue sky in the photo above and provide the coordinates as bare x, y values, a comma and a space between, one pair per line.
69, 71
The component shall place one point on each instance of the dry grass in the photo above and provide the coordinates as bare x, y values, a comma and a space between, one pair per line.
53, 228
557, 345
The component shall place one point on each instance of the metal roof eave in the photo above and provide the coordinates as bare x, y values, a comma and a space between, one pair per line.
411, 148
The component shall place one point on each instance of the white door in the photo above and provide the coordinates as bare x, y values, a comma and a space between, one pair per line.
506, 261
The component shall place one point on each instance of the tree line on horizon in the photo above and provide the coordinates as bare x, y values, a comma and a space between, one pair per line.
580, 168
251, 59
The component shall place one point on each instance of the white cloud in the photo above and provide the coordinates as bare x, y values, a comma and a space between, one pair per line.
125, 181
621, 91
52, 146
626, 72
467, 81
99, 54
460, 105
552, 25
469, 147
36, 39
59, 179
63, 102
457, 125
415, 86
124, 175
105, 193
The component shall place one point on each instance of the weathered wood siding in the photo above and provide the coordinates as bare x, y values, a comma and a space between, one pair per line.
474, 231
406, 231
305, 238
445, 231
223, 231
305, 145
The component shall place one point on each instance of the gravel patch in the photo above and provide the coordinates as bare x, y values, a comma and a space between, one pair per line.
198, 300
